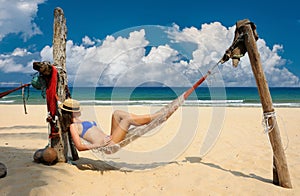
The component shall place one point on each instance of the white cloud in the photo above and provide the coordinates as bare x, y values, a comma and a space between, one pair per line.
161, 54
86, 41
102, 64
17, 17
8, 65
213, 39
125, 61
14, 62
46, 54
131, 60
20, 52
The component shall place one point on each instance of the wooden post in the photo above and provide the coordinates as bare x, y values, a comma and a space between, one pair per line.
59, 58
64, 142
280, 169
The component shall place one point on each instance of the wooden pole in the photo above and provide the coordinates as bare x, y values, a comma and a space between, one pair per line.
63, 143
59, 58
280, 169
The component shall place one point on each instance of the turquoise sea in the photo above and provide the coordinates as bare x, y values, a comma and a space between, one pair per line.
203, 96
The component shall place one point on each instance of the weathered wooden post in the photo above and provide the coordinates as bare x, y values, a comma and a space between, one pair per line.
245, 41
280, 167
59, 58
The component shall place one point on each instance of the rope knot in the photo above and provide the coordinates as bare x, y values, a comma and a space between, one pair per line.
265, 122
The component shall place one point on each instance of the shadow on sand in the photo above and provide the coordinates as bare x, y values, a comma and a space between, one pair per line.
98, 165
19, 161
235, 173
102, 166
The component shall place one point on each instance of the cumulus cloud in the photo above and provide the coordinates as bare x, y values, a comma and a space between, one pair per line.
86, 41
179, 57
132, 60
213, 39
17, 61
102, 65
17, 17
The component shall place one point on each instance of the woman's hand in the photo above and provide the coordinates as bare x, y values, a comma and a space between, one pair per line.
107, 140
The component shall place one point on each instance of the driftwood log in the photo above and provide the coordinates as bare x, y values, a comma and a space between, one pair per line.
245, 41
281, 174
62, 142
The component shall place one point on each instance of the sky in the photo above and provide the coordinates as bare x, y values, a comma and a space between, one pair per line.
136, 42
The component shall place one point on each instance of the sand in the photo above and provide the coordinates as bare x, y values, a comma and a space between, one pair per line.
240, 162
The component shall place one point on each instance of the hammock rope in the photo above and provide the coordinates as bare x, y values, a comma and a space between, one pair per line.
166, 112
23, 87
265, 122
13, 90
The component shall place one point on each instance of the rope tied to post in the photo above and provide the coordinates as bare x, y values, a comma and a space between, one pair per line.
265, 122
238, 49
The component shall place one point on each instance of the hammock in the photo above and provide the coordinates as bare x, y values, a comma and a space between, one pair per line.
13, 90
166, 112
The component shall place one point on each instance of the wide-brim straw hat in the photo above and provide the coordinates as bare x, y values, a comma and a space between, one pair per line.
70, 105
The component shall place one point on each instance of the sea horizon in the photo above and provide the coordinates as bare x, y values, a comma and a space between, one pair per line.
157, 96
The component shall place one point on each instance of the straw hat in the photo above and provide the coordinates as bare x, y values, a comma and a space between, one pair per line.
70, 105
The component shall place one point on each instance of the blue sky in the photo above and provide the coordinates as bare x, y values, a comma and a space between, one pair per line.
132, 42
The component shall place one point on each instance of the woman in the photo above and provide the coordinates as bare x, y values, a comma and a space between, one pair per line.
88, 130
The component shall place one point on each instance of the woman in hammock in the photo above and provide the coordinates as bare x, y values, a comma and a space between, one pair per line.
88, 130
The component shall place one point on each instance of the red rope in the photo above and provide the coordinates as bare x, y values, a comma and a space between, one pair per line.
189, 91
12, 90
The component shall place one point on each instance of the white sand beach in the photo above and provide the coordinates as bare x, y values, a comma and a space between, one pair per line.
240, 162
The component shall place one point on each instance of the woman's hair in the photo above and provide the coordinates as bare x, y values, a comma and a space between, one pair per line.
67, 119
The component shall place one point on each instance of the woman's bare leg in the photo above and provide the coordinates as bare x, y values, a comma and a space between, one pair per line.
119, 127
121, 121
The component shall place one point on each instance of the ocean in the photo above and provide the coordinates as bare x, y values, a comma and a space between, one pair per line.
203, 96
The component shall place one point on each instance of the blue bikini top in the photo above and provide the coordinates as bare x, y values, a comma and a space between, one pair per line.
86, 125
